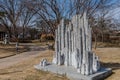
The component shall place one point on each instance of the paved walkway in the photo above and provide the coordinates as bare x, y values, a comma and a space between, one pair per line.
9, 61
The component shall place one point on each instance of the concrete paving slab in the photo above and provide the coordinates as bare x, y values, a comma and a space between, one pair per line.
72, 74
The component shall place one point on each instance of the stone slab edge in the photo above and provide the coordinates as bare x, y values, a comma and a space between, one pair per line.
72, 74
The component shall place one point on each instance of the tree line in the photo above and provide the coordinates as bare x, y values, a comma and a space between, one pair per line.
47, 14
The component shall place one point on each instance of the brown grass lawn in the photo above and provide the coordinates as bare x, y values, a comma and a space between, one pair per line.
26, 71
110, 57
9, 50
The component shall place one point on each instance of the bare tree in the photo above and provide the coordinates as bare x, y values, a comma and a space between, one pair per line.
96, 11
49, 11
12, 10
103, 21
26, 18
3, 22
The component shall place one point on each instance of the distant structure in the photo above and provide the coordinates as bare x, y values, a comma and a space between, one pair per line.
2, 32
6, 40
73, 46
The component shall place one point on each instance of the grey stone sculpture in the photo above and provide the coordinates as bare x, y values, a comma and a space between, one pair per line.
73, 46
6, 40
43, 63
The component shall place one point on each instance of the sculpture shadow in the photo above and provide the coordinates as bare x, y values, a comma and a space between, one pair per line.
3, 73
37, 49
113, 66
14, 49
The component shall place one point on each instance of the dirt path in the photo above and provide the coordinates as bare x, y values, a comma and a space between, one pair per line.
9, 61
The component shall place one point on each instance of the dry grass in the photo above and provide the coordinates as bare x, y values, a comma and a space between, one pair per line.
26, 71
107, 44
110, 57
9, 50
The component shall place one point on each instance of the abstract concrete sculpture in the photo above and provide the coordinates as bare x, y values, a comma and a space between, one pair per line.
73, 46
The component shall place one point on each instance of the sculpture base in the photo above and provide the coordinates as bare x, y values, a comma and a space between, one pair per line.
72, 74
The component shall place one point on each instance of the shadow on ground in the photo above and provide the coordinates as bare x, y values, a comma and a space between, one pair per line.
113, 66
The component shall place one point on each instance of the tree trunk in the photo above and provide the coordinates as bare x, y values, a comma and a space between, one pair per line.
95, 44
23, 35
102, 37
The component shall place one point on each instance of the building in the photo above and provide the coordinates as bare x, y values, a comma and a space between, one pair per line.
114, 36
3, 31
